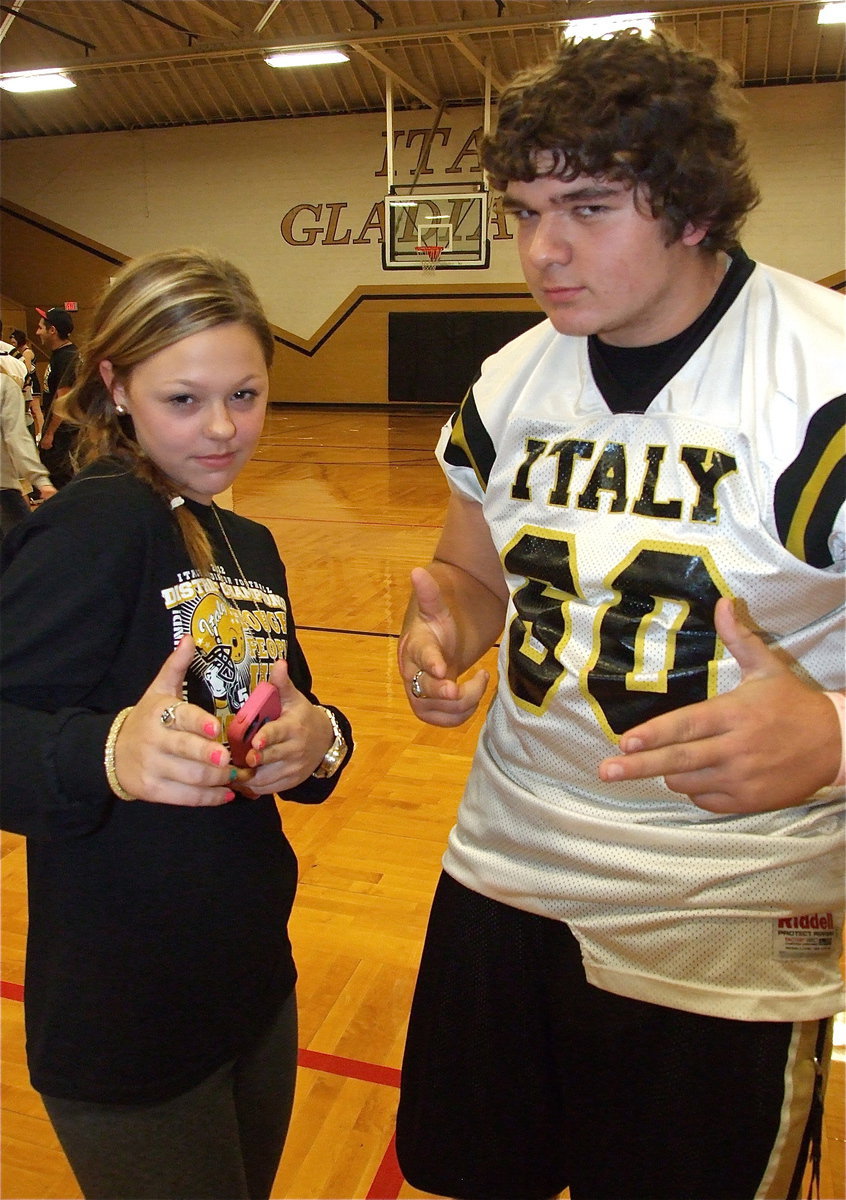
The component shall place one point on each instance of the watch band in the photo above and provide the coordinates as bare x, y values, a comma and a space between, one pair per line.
336, 753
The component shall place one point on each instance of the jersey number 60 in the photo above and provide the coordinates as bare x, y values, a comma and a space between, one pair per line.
653, 644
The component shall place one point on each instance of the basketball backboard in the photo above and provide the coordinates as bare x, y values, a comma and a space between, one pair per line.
455, 223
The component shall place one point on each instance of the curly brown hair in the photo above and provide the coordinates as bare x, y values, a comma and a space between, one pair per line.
647, 111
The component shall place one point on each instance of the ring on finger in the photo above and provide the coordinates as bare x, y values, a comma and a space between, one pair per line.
416, 689
168, 717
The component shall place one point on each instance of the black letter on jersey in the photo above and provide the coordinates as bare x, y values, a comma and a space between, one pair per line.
567, 451
609, 475
707, 478
646, 505
520, 488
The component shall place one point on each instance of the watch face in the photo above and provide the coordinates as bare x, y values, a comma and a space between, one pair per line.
332, 759
336, 753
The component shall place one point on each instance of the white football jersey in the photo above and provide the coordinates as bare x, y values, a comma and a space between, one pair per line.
617, 535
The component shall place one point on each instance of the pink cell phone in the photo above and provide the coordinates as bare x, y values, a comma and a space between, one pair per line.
261, 706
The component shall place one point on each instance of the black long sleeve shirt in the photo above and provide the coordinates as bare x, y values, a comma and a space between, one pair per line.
157, 945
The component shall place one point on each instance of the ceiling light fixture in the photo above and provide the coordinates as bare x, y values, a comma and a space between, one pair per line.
591, 27
832, 13
305, 58
48, 80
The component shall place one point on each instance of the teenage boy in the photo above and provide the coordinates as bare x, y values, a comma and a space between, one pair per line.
633, 949
58, 437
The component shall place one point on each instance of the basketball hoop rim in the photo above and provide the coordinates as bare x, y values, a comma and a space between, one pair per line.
433, 253
428, 256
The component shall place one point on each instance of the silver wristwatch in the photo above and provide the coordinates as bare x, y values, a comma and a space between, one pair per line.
336, 753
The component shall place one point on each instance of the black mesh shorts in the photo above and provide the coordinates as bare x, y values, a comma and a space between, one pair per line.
521, 1079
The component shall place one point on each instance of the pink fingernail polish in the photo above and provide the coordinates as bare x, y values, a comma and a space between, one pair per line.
216, 756
230, 796
210, 729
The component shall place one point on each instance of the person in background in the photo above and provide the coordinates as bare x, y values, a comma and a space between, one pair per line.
10, 363
58, 437
18, 458
631, 963
160, 1006
32, 384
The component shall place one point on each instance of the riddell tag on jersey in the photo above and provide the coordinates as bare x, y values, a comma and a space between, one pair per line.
805, 936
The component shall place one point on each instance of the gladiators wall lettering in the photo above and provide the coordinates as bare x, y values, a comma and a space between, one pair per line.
331, 223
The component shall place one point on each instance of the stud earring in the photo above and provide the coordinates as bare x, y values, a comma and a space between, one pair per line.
120, 410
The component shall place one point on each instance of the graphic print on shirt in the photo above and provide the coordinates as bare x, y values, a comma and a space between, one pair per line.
239, 632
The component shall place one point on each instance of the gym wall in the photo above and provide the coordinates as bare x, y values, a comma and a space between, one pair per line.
297, 204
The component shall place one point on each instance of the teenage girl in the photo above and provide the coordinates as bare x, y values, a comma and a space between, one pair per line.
137, 618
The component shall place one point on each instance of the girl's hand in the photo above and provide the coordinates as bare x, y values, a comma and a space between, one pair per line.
180, 762
288, 750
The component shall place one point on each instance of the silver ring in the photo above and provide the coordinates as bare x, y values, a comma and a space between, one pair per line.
416, 690
168, 717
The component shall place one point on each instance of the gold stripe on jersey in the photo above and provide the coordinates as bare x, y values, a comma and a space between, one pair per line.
805, 1077
809, 493
810, 496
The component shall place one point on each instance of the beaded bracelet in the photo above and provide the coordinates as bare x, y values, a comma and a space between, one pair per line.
109, 756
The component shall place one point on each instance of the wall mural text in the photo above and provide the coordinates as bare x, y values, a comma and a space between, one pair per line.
330, 223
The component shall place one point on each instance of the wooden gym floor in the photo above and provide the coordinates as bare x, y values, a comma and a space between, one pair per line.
355, 500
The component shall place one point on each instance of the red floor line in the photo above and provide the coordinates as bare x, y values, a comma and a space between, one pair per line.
389, 1178
351, 1068
11, 991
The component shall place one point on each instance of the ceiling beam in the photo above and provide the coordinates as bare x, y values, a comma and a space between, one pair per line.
406, 81
209, 50
154, 16
210, 12
465, 46
22, 16
266, 15
11, 14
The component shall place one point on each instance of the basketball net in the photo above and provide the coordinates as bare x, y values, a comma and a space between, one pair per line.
429, 256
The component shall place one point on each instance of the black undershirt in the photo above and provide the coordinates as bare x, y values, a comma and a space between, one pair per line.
630, 377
